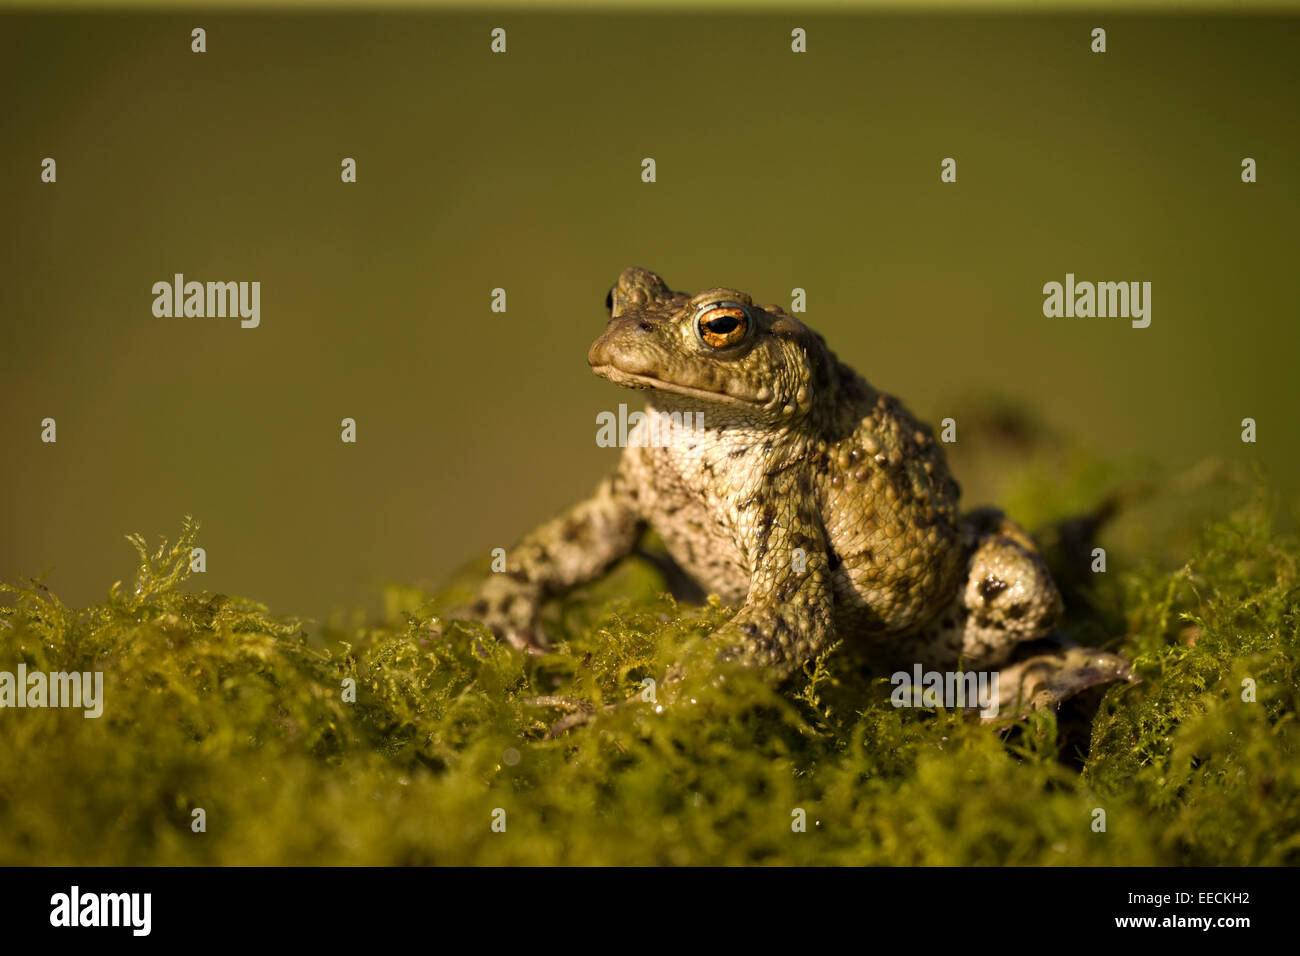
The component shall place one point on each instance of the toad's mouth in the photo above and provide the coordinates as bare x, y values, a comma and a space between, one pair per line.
633, 380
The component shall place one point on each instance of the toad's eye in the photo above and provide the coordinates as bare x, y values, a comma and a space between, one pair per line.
723, 324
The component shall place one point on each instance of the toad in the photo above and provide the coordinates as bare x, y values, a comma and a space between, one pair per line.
782, 481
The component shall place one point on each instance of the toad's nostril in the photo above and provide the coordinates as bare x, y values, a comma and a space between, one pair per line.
644, 326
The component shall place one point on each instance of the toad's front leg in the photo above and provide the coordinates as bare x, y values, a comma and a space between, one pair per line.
788, 616
572, 549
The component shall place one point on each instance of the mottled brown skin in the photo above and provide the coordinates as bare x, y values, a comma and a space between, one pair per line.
815, 503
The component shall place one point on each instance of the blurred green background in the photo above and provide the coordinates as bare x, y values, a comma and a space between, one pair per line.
522, 171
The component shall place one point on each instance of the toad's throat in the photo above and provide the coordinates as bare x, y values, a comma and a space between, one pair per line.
633, 380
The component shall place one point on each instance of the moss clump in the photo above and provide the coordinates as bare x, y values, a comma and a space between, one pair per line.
211, 702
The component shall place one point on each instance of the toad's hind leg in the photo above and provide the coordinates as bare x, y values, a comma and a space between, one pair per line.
1008, 598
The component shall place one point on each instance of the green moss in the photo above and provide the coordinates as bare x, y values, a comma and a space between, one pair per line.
211, 702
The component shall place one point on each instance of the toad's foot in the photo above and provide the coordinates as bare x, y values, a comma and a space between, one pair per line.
1047, 680
508, 606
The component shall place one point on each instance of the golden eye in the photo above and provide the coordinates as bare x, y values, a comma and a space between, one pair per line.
723, 324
